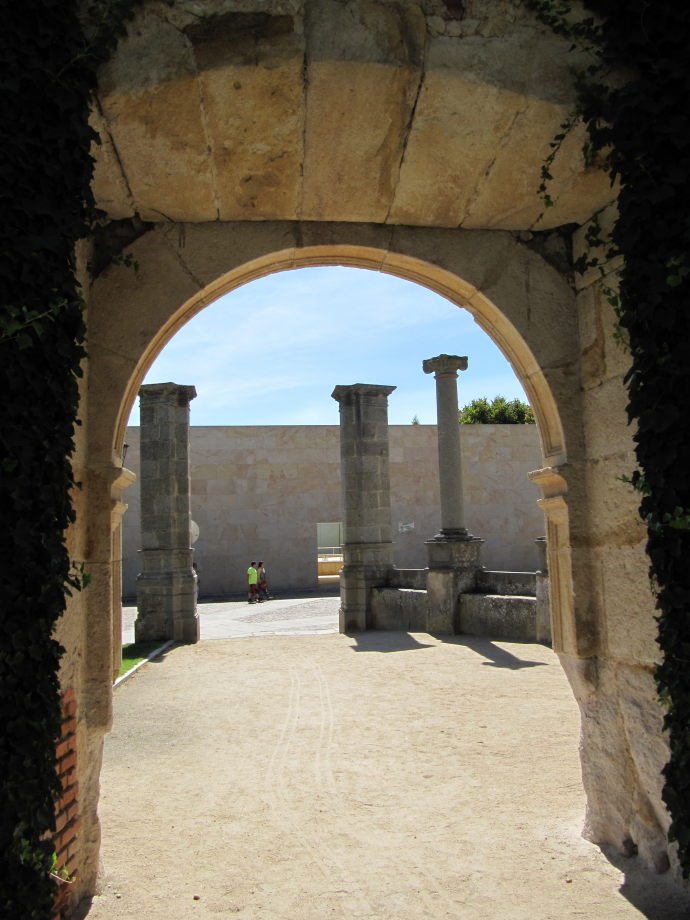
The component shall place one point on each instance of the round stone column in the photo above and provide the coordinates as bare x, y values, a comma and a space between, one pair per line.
445, 370
454, 554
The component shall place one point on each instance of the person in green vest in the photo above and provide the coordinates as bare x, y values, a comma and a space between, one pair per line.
252, 583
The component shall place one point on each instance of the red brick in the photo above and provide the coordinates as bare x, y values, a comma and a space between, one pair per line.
76, 824
72, 853
63, 748
69, 707
69, 795
63, 839
69, 726
66, 849
67, 763
72, 810
68, 779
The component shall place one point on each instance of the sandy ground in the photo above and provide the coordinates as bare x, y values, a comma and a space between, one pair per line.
389, 776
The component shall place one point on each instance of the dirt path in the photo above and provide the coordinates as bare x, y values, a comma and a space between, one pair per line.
397, 777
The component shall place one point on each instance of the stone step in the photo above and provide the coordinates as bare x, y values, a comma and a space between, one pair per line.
522, 584
498, 616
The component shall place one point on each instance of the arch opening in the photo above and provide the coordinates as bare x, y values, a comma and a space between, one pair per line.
132, 317
441, 281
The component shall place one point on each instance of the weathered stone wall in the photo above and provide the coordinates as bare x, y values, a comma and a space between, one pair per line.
259, 492
623, 746
417, 112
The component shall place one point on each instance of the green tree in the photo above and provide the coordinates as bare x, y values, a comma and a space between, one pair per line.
499, 411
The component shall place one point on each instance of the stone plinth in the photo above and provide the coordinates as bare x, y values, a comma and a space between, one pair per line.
498, 616
166, 595
453, 569
365, 483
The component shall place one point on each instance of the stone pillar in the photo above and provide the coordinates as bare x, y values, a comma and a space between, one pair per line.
542, 593
454, 554
121, 482
367, 531
445, 370
166, 586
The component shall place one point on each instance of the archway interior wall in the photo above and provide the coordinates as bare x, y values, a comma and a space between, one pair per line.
622, 742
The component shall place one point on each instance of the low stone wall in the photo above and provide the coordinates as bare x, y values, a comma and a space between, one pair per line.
399, 609
258, 493
497, 616
502, 605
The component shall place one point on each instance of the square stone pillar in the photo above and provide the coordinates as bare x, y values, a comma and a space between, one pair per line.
123, 479
166, 601
543, 594
365, 477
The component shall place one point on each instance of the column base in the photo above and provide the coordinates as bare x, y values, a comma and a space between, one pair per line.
166, 608
453, 568
446, 551
366, 566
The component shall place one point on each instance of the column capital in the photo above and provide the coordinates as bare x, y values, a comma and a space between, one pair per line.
446, 365
371, 390
175, 393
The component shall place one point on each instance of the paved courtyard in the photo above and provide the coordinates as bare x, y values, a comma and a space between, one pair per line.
285, 616
391, 776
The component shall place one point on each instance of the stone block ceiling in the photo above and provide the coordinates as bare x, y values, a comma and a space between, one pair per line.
416, 112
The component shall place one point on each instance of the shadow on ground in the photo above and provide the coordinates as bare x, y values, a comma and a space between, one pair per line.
657, 897
496, 656
386, 642
394, 641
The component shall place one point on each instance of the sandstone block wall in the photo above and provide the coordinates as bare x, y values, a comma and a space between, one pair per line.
259, 492
251, 129
622, 719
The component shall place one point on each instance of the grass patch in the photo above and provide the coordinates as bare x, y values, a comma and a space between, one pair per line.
134, 652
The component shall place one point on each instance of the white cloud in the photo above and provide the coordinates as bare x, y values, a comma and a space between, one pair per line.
286, 340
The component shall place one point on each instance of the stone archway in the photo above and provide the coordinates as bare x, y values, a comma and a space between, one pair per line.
183, 268
363, 133
164, 246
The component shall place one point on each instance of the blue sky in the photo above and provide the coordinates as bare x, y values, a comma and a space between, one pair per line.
270, 352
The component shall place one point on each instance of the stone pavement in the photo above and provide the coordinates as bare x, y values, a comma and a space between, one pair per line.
235, 619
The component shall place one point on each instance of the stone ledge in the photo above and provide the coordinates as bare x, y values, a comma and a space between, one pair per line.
498, 616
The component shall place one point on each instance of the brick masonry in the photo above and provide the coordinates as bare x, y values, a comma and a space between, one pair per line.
67, 819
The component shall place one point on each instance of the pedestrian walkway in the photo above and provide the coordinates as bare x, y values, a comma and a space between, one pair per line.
387, 776
284, 616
